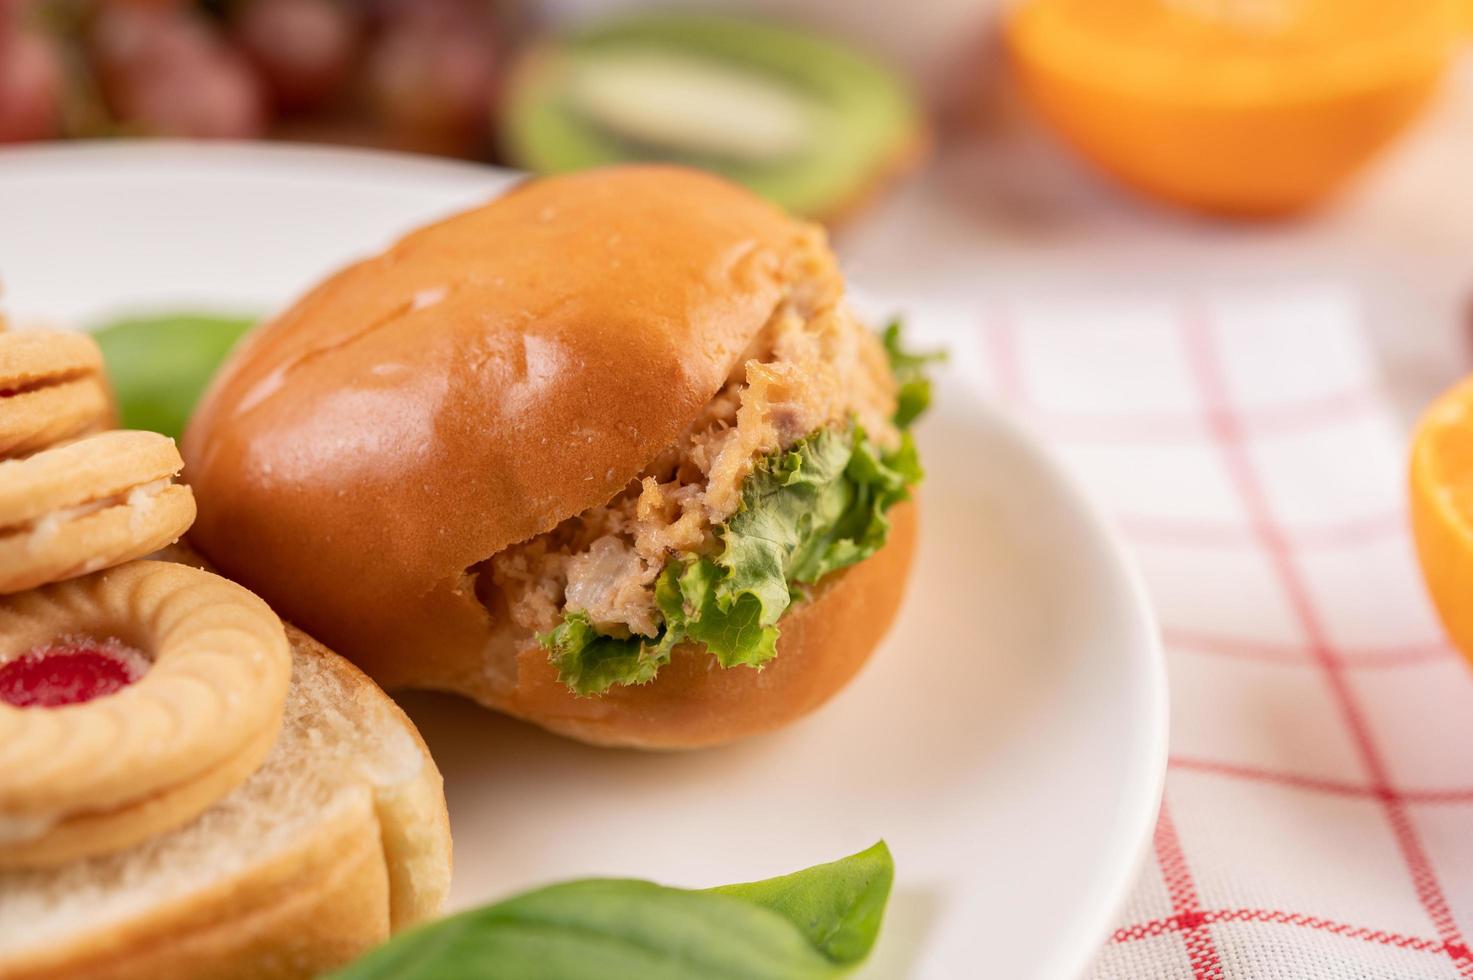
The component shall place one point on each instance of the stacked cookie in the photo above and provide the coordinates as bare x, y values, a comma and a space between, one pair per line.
76, 499
188, 787
53, 389
73, 498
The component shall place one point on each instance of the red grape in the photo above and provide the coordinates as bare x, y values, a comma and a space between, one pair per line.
427, 76
11, 12
171, 74
303, 48
145, 4
395, 14
31, 85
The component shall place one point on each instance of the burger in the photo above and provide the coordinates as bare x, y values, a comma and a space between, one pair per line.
610, 453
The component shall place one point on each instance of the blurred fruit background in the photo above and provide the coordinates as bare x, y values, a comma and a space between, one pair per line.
1245, 108
414, 74
1235, 137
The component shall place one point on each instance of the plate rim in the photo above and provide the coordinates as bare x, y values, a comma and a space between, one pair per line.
1131, 861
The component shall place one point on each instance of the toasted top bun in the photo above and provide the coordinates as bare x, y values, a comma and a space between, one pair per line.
482, 380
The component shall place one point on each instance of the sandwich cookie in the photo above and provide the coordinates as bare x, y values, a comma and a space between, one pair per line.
87, 505
52, 388
130, 701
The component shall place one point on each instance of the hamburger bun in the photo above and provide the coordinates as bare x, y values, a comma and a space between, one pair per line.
360, 457
339, 838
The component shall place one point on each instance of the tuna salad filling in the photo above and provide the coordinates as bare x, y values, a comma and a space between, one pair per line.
786, 477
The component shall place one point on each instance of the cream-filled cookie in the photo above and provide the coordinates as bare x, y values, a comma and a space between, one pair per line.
88, 505
52, 388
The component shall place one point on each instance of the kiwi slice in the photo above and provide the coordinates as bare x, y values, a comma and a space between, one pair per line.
804, 121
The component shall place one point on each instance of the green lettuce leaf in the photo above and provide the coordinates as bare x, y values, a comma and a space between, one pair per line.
909, 369
734, 626
793, 507
589, 662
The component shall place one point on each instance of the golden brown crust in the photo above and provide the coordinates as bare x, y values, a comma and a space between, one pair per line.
693, 702
413, 820
484, 379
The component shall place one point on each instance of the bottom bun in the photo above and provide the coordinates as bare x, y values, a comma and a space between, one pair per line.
693, 702
340, 838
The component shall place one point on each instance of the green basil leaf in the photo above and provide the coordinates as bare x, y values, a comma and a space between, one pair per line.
160, 365
815, 924
838, 906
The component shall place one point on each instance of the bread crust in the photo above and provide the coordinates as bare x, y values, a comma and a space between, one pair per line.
412, 818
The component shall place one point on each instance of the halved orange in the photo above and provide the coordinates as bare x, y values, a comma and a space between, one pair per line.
1442, 509
1243, 107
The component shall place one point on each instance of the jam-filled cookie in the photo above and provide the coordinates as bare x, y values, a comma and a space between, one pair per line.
52, 388
88, 505
130, 701
339, 838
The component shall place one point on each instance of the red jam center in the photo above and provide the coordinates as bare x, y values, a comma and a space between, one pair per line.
68, 672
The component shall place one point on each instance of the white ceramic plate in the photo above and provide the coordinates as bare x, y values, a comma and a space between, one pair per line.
1008, 740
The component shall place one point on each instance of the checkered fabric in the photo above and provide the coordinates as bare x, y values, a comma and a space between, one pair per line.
1318, 818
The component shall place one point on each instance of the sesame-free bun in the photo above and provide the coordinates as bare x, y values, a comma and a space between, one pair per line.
482, 380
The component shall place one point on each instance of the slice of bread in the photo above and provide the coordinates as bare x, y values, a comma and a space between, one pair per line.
340, 838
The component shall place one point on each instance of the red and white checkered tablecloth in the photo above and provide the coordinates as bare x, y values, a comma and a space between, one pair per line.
1318, 818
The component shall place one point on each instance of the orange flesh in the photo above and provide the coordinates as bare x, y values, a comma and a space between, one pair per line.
1243, 107
1442, 509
